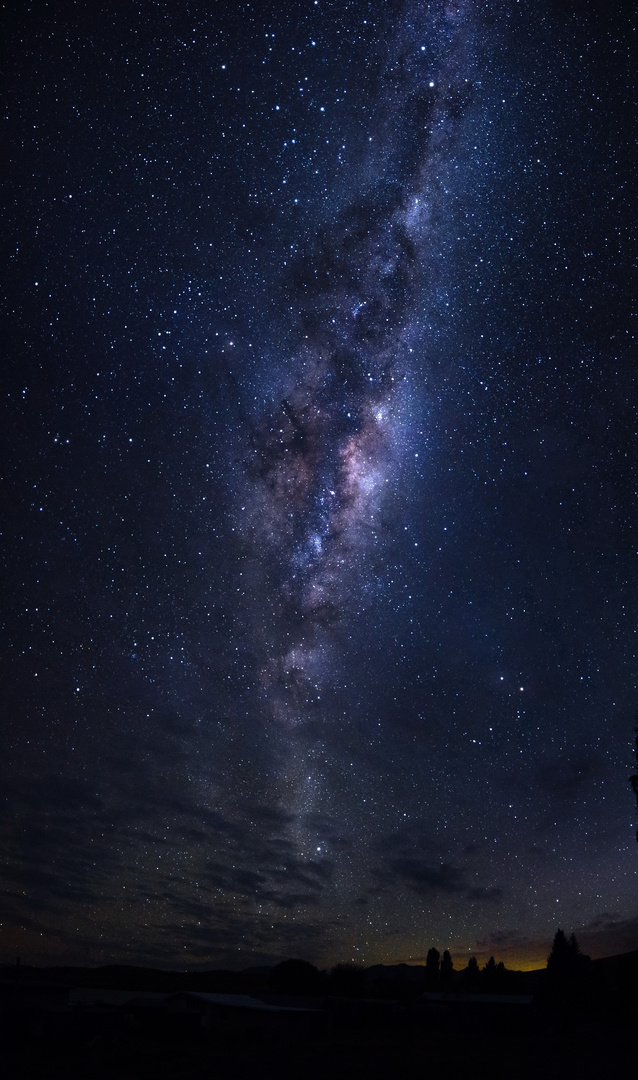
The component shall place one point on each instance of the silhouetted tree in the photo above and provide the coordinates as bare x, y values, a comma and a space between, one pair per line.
563, 958
348, 980
447, 968
472, 973
489, 974
432, 968
567, 969
296, 977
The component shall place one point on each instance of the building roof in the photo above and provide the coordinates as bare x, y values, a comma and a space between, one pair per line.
235, 1001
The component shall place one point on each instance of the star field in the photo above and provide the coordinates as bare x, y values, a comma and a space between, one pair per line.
319, 620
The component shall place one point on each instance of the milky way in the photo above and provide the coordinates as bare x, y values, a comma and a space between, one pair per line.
325, 458
319, 433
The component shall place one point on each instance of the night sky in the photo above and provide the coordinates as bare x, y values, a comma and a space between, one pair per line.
318, 422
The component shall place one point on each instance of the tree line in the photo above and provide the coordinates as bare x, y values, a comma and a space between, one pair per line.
566, 976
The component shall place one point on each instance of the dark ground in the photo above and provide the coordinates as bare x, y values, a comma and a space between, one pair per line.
579, 1052
581, 1037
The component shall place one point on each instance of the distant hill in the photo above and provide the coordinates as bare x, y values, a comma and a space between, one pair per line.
397, 980
620, 972
125, 977
414, 976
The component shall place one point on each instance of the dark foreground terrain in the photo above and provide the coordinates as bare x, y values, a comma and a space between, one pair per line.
578, 1052
130, 1024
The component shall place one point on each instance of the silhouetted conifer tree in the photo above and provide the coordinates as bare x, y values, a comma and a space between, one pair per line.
432, 968
489, 974
296, 977
472, 973
447, 968
566, 981
561, 958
